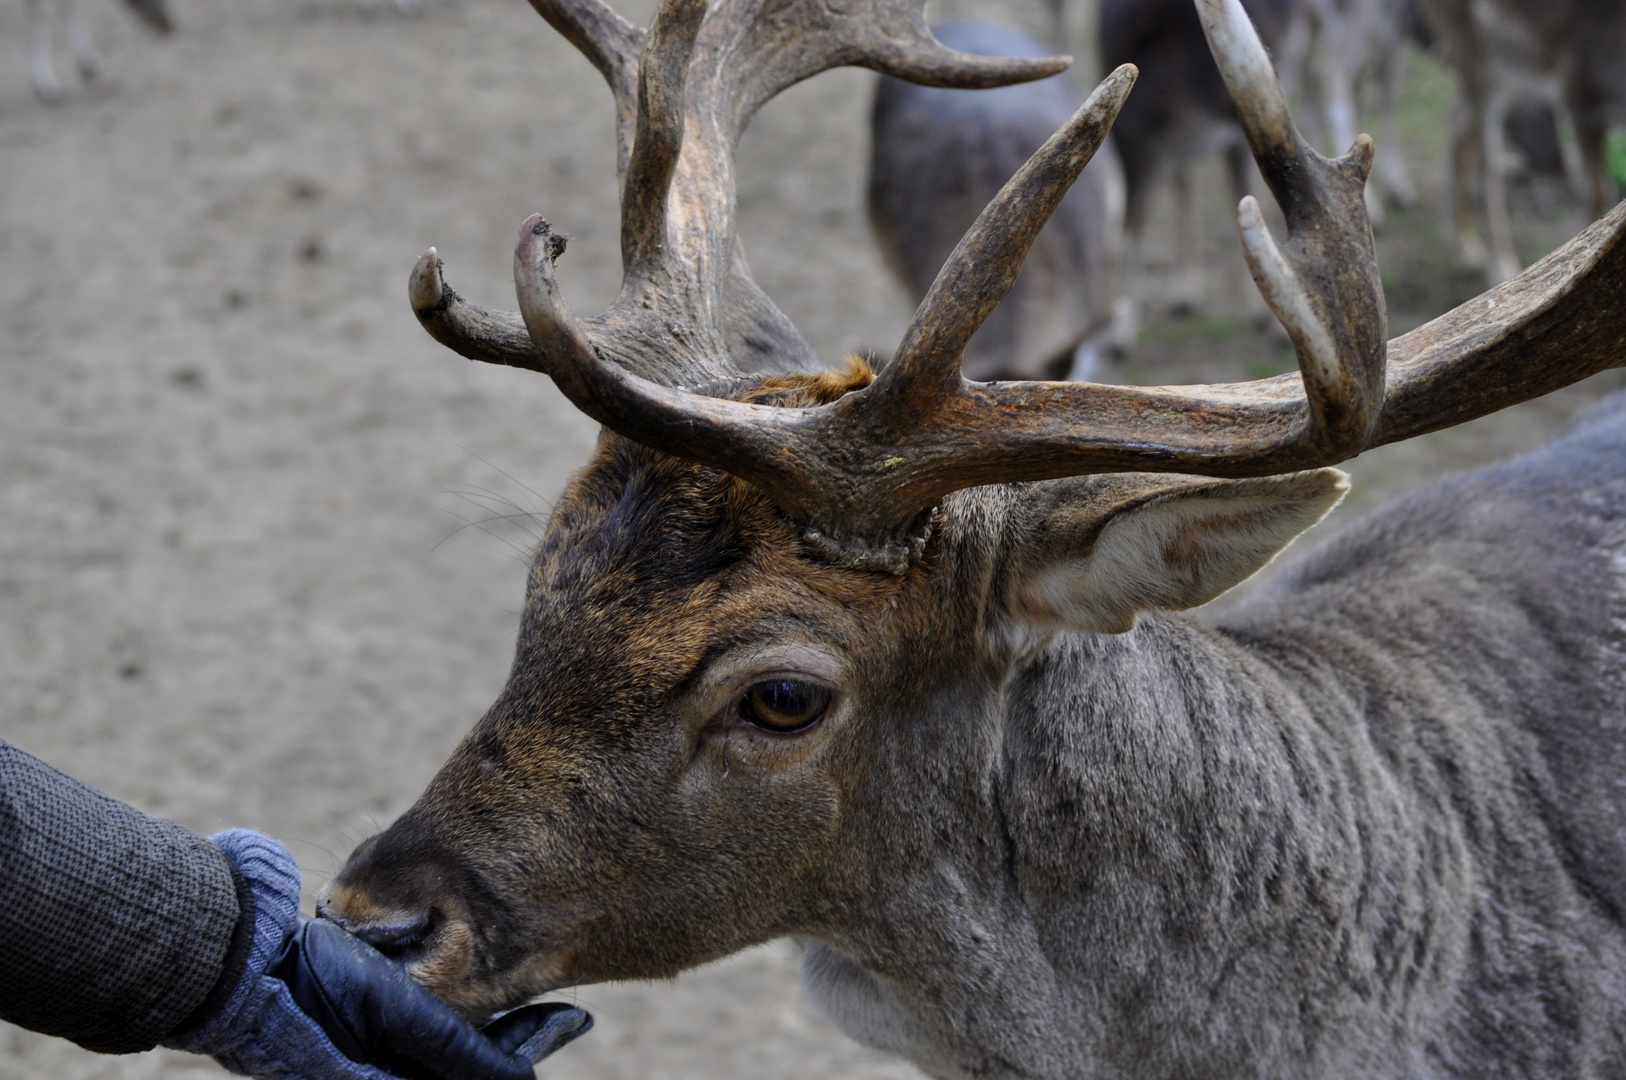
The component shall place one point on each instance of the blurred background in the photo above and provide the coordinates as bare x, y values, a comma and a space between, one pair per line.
263, 542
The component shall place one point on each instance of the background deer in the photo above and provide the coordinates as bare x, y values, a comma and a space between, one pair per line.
939, 155
44, 15
1179, 114
1565, 54
885, 661
1356, 51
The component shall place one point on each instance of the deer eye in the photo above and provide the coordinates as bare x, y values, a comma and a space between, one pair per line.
784, 705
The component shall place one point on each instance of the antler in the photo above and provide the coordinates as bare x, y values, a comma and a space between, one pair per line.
685, 90
865, 471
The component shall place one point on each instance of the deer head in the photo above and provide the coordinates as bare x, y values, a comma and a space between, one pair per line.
776, 620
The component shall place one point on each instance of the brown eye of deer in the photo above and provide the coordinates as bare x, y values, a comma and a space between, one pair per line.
784, 705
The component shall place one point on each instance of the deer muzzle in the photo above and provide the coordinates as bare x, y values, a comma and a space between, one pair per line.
411, 905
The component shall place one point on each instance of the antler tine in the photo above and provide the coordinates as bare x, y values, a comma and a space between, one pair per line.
984, 265
662, 77
684, 91
561, 347
495, 337
774, 47
1250, 78
1337, 322
677, 335
613, 46
929, 62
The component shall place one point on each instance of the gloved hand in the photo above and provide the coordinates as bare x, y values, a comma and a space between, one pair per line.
373, 1011
315, 1003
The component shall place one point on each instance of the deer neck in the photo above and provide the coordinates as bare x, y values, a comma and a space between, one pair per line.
1158, 828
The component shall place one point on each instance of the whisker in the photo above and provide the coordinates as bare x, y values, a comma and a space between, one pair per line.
520, 553
483, 501
544, 500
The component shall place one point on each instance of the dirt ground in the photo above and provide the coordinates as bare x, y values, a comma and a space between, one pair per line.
262, 541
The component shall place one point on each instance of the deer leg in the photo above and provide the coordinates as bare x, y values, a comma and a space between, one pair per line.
1124, 329
1397, 182
1504, 260
1567, 126
1338, 82
1339, 86
1086, 360
1466, 154
1186, 292
1590, 128
1293, 53
1241, 172
85, 56
1593, 136
47, 87
1300, 61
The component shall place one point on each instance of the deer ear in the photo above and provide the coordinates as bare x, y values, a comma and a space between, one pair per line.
1100, 554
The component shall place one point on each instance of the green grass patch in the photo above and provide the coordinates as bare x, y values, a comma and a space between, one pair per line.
1182, 331
1284, 362
1617, 157
1426, 98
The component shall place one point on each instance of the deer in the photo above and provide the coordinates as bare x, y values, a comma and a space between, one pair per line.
1504, 53
899, 663
40, 16
1181, 115
1358, 45
938, 155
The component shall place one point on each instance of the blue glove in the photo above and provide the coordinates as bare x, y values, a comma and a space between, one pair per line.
315, 1003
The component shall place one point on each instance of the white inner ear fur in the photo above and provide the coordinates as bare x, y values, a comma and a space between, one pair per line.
1173, 551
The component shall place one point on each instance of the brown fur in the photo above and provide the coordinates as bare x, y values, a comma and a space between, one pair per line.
649, 562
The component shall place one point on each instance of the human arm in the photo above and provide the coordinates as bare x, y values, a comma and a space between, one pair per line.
118, 931
114, 926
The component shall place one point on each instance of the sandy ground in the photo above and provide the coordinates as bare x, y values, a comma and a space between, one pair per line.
262, 541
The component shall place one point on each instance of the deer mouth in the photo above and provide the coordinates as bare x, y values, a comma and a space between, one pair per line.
443, 953
402, 940
451, 966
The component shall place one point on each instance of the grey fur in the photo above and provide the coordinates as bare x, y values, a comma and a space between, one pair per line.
1369, 825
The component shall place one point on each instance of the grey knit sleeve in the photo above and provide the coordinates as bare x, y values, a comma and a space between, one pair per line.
114, 926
